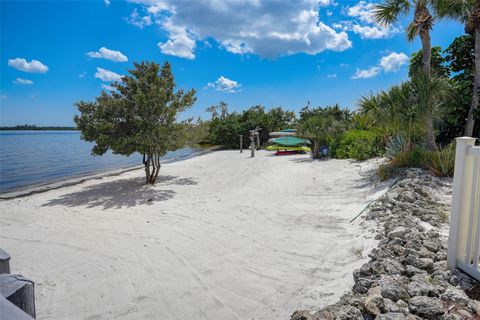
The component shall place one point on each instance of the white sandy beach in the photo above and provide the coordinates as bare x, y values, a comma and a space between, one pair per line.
221, 236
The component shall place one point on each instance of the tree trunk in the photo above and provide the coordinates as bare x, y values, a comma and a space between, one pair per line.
431, 144
316, 150
427, 51
476, 84
157, 168
152, 167
426, 68
147, 168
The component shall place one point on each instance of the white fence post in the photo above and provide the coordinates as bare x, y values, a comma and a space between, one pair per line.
460, 180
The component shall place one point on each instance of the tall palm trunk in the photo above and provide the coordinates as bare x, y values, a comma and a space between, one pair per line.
427, 51
476, 85
423, 19
426, 68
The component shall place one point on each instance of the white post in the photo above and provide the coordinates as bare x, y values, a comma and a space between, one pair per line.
462, 144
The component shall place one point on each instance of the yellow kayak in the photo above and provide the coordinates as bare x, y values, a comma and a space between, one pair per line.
300, 148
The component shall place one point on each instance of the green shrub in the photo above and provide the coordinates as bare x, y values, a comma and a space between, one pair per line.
358, 145
442, 162
415, 157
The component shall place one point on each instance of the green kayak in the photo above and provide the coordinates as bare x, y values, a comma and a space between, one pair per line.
289, 141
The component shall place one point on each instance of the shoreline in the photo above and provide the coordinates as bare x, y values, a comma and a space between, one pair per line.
36, 188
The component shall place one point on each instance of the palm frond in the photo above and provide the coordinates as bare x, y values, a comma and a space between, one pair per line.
456, 9
413, 30
389, 12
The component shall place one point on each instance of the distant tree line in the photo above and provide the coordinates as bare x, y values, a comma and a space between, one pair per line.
34, 127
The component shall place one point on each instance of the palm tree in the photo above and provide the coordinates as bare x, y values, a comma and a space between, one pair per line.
409, 108
468, 12
430, 95
394, 110
390, 11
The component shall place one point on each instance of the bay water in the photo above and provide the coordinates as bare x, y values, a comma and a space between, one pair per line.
37, 157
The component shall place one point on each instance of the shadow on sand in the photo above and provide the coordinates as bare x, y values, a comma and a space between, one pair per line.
121, 193
306, 160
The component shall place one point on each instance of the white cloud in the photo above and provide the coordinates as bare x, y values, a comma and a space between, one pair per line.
82, 75
394, 61
33, 66
108, 87
107, 75
225, 85
22, 81
267, 28
107, 2
104, 53
364, 22
138, 20
375, 32
180, 42
367, 31
367, 73
329, 13
334, 75
363, 11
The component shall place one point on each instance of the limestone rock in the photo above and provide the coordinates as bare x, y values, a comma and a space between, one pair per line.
390, 316
429, 308
374, 304
302, 315
349, 313
397, 232
392, 289
455, 295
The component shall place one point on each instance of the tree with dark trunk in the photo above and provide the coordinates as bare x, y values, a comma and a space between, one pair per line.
139, 115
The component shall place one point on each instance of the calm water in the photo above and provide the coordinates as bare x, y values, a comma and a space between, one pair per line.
38, 157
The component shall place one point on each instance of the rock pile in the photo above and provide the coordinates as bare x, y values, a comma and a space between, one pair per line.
407, 276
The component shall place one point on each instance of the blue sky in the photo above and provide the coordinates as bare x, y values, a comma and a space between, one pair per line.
274, 53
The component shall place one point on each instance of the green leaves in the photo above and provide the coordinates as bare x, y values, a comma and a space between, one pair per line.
139, 116
439, 67
322, 125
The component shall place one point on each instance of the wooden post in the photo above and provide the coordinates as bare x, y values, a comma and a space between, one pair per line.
19, 291
4, 262
241, 143
462, 173
252, 149
258, 140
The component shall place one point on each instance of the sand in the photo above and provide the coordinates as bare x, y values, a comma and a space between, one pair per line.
221, 236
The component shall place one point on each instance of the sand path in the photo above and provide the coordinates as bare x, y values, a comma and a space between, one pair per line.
221, 236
